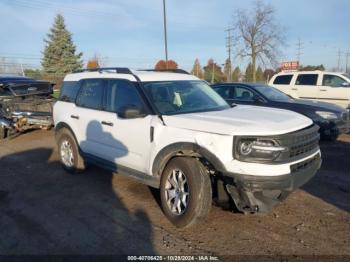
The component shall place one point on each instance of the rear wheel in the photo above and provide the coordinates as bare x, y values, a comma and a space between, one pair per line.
68, 150
186, 192
3, 132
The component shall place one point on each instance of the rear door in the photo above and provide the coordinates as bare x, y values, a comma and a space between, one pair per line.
87, 116
306, 85
334, 90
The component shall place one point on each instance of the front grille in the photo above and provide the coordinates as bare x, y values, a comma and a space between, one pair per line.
304, 164
299, 143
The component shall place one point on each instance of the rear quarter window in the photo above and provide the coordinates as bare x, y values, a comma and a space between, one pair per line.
69, 91
307, 79
283, 80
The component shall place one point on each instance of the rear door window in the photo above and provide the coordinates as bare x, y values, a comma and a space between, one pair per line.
91, 94
283, 80
226, 92
69, 91
307, 79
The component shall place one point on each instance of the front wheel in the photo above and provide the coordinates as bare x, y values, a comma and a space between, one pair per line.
186, 193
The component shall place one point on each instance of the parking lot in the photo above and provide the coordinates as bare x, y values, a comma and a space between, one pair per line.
44, 210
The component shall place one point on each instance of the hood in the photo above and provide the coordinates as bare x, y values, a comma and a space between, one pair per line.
313, 105
241, 120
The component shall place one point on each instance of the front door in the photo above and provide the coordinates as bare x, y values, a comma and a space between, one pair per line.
335, 89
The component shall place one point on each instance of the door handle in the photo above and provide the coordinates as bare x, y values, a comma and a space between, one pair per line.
107, 123
323, 90
74, 117
294, 88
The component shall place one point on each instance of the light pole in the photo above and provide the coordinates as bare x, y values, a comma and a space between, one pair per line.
165, 35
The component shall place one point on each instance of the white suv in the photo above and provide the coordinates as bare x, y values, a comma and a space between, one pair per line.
173, 132
315, 85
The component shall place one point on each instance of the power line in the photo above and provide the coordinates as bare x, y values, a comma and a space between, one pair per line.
347, 54
229, 45
339, 59
299, 49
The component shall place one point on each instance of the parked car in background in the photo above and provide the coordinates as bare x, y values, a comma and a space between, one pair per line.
25, 104
315, 85
172, 131
332, 119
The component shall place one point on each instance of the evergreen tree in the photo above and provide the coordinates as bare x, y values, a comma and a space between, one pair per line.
249, 73
228, 70
212, 72
60, 56
236, 74
197, 69
260, 75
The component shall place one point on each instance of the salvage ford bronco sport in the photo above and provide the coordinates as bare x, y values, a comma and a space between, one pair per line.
171, 131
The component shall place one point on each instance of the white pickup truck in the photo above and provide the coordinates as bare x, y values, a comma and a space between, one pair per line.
173, 132
315, 85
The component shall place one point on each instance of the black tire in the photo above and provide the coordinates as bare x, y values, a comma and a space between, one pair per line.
199, 188
63, 136
3, 132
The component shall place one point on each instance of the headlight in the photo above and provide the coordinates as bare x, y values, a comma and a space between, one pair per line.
326, 115
257, 149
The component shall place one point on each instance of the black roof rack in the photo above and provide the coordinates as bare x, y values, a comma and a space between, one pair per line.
119, 70
179, 71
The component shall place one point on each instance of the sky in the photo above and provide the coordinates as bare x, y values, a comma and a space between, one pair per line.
130, 33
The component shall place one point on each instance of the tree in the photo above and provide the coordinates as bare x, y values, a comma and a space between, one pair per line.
248, 77
268, 73
260, 75
236, 75
93, 63
312, 68
257, 35
60, 55
228, 70
33, 73
212, 72
161, 65
197, 69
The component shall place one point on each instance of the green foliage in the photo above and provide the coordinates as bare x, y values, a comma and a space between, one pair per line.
228, 70
213, 72
60, 56
197, 69
236, 74
248, 77
260, 75
33, 73
312, 68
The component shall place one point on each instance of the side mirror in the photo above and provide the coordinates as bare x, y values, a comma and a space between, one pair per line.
259, 100
131, 111
345, 84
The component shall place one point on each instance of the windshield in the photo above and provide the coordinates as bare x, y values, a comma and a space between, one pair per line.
180, 97
347, 76
273, 94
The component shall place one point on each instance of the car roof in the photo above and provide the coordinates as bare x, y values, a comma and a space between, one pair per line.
248, 84
5, 78
143, 75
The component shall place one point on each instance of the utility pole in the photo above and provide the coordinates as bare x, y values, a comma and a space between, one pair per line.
299, 50
165, 35
212, 73
229, 50
347, 54
339, 57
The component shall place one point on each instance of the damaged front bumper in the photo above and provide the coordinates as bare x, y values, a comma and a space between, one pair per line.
252, 194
